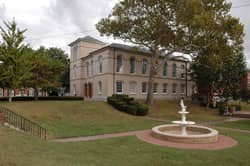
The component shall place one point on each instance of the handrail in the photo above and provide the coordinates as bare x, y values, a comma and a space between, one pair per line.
23, 123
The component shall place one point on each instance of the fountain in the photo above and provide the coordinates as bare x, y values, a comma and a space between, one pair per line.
185, 131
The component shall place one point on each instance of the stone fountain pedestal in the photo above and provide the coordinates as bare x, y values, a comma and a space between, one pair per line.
185, 131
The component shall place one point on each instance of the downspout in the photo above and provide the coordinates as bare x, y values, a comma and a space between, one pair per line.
114, 71
186, 79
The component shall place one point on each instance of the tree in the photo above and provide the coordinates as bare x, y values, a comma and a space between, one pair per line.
14, 53
232, 75
59, 55
165, 27
46, 71
221, 65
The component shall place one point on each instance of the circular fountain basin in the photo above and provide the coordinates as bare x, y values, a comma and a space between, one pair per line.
183, 123
183, 112
195, 134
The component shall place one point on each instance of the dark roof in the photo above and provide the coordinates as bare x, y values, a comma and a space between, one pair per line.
88, 39
138, 50
124, 48
129, 48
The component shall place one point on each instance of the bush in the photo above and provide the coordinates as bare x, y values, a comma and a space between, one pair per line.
45, 98
221, 108
142, 110
127, 104
237, 107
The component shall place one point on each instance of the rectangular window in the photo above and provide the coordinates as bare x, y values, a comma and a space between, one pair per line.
31, 92
155, 87
165, 88
144, 87
119, 88
132, 85
174, 88
182, 88
1, 92
165, 69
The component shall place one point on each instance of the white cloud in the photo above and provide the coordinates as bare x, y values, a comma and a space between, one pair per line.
58, 22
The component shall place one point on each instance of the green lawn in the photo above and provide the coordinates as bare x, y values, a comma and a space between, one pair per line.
169, 110
82, 118
241, 124
75, 118
19, 149
78, 118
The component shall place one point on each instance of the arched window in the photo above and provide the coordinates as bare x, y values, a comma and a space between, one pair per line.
132, 64
165, 69
144, 66
182, 71
174, 70
119, 63
87, 68
100, 63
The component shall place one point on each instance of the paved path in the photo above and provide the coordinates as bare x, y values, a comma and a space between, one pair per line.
242, 114
97, 137
130, 133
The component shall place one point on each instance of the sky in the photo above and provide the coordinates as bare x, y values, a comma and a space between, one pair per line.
56, 23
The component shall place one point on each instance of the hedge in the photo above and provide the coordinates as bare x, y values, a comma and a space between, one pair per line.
127, 104
42, 98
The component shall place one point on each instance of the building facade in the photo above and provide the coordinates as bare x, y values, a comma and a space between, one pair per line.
21, 92
99, 70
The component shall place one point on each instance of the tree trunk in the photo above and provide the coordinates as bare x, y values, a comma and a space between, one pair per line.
210, 94
150, 95
10, 96
208, 99
36, 94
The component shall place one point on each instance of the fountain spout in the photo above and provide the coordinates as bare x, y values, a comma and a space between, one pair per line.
183, 123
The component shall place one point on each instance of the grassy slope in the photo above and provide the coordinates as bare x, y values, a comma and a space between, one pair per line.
22, 150
169, 110
78, 118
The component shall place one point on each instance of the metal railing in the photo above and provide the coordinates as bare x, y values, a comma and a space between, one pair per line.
24, 124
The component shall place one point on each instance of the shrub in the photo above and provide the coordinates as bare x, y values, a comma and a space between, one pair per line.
47, 98
142, 110
127, 104
237, 107
221, 108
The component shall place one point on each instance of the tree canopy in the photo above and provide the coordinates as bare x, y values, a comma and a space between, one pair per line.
14, 54
167, 26
24, 67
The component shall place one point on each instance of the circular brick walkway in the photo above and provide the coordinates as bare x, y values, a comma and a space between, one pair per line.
222, 143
